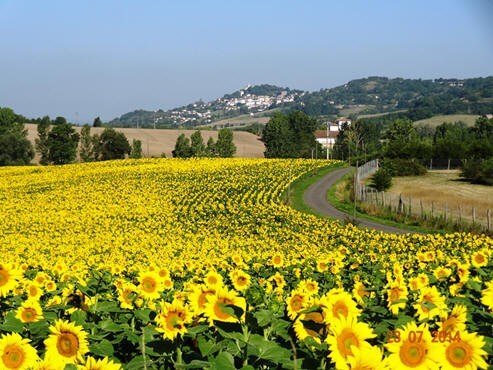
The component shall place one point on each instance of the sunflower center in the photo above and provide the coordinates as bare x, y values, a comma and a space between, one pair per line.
212, 280
346, 339
296, 303
394, 294
458, 354
218, 309
340, 309
241, 280
149, 285
479, 258
29, 314
13, 356
203, 298
67, 344
412, 354
173, 321
4, 277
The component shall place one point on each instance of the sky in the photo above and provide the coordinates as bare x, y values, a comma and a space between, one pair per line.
86, 58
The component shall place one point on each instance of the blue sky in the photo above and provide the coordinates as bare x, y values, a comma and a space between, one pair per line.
82, 59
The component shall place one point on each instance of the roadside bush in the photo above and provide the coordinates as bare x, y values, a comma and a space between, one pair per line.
404, 167
478, 171
382, 179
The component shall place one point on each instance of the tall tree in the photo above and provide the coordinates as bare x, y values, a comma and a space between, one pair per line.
197, 144
86, 145
113, 144
62, 144
278, 138
41, 142
182, 147
136, 149
97, 122
210, 150
225, 146
15, 148
60, 121
290, 136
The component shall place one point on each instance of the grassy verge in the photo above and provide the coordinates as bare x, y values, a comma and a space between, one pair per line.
348, 207
294, 194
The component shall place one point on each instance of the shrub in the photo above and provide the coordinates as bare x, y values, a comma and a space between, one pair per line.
404, 167
478, 171
382, 179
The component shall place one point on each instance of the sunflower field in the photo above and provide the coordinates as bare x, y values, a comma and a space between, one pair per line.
201, 264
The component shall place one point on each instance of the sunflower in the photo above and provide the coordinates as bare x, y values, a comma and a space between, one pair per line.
172, 318
340, 304
466, 353
103, 364
29, 311
479, 259
487, 295
240, 279
396, 297
430, 303
150, 285
413, 351
9, 277
442, 273
224, 305
360, 291
66, 344
311, 324
366, 358
346, 334
296, 302
213, 279
127, 294
277, 260
463, 272
309, 286
16, 352
455, 321
33, 290
279, 281
198, 298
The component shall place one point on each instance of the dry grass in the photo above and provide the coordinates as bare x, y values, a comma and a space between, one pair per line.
156, 142
444, 189
468, 119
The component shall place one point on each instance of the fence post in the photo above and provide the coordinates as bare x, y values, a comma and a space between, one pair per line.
445, 215
421, 206
432, 209
473, 215
488, 214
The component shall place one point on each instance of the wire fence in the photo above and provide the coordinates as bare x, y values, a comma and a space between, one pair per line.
447, 213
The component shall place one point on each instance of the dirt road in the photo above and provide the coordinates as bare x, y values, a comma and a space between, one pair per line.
316, 198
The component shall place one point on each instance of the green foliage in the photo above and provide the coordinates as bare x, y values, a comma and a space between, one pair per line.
182, 147
62, 144
225, 146
60, 121
404, 167
478, 171
41, 142
210, 150
290, 136
97, 122
197, 145
15, 148
136, 150
113, 145
86, 145
382, 179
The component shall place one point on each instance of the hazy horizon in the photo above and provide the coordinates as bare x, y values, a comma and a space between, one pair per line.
86, 59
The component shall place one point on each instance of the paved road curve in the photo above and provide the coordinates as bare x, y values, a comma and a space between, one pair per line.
316, 198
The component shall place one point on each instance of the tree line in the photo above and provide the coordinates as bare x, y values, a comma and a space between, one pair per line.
407, 149
59, 143
224, 147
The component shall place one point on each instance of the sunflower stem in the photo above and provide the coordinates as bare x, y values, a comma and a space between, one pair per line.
143, 348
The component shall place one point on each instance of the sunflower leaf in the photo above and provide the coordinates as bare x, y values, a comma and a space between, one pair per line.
103, 348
